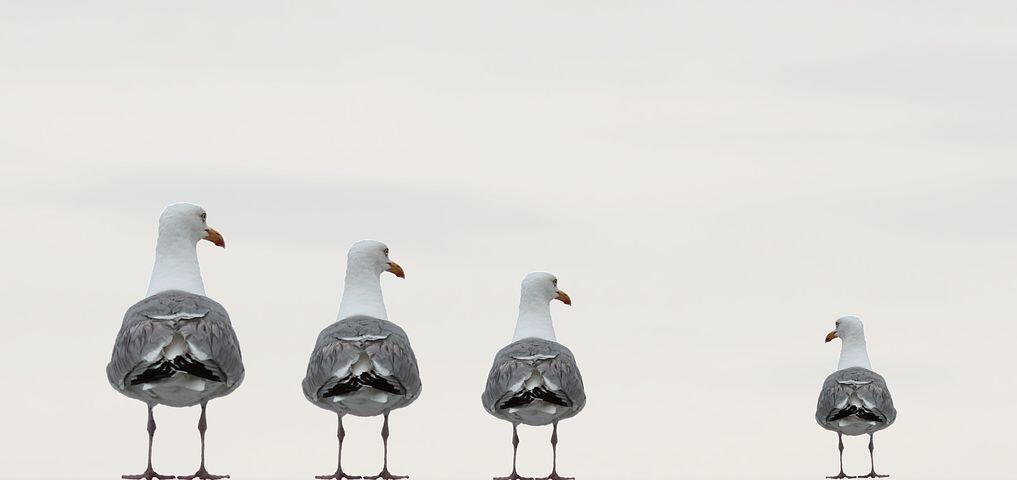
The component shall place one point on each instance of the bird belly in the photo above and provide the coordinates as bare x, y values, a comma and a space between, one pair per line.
180, 390
536, 413
366, 402
852, 425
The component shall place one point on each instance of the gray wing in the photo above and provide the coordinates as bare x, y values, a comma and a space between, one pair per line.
139, 336
869, 386
340, 345
214, 335
516, 362
150, 325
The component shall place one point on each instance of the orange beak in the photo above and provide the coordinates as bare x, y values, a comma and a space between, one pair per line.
396, 270
564, 297
214, 237
830, 336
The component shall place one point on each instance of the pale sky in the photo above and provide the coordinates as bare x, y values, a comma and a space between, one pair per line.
712, 182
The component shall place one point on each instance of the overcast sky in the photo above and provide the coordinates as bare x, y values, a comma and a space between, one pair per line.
712, 182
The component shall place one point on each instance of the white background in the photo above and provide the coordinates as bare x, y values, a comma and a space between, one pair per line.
713, 183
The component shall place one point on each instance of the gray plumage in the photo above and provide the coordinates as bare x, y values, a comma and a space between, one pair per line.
528, 371
357, 345
860, 397
166, 326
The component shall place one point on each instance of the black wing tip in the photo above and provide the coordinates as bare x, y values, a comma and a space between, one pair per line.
380, 383
551, 397
518, 400
166, 369
154, 373
353, 383
528, 396
343, 387
850, 410
187, 364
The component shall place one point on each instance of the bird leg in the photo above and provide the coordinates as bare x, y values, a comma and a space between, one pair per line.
385, 475
554, 457
840, 446
515, 450
872, 463
202, 474
149, 472
339, 473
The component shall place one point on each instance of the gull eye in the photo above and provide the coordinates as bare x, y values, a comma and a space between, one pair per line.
555, 282
386, 252
203, 216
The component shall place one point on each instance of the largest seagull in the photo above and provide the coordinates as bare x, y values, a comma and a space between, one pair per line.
362, 364
176, 347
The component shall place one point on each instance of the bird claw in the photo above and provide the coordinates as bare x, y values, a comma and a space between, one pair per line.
340, 475
514, 476
873, 475
148, 475
202, 474
555, 476
384, 475
841, 475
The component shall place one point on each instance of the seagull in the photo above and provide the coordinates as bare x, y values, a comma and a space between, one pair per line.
362, 364
176, 347
854, 399
534, 379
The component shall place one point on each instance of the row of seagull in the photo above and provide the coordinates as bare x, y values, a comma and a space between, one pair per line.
177, 347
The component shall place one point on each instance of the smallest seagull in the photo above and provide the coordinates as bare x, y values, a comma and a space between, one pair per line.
854, 399
535, 379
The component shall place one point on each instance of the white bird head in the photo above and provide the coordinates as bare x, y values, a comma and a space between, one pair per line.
188, 221
543, 287
372, 255
849, 327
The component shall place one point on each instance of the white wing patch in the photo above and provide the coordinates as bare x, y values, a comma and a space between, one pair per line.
361, 365
370, 338
175, 344
342, 372
177, 316
380, 370
515, 387
538, 356
176, 347
854, 382
154, 354
198, 354
534, 381
551, 385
